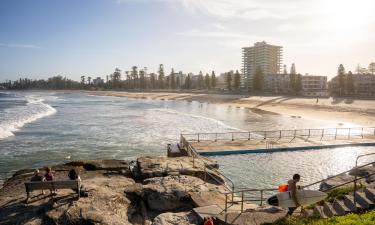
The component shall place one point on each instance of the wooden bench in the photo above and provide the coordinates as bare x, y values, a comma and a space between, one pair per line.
52, 185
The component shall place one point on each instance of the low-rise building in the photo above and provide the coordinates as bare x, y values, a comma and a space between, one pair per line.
363, 85
277, 83
281, 84
313, 85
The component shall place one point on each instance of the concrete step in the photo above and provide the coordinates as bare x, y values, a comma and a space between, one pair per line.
370, 194
340, 207
362, 198
318, 210
349, 202
328, 209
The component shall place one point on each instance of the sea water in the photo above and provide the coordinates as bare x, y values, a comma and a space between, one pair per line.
44, 128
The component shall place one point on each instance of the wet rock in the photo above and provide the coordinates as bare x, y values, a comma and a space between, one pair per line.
182, 218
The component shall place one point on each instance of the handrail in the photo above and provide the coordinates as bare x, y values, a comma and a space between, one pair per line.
333, 128
194, 154
325, 132
329, 178
355, 176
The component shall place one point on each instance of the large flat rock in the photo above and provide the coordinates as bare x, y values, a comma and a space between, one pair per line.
163, 166
175, 192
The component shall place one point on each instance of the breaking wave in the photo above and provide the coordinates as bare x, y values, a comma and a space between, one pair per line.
14, 118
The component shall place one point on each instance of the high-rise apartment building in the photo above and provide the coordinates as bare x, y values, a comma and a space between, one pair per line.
267, 57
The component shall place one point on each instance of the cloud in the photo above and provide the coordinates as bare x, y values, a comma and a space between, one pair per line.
242, 9
18, 45
211, 34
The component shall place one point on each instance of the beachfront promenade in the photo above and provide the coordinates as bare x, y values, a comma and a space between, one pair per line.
277, 140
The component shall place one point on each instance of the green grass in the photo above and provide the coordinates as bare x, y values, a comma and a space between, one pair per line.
339, 193
349, 219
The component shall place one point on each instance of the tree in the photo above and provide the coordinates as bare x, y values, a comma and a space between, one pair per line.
161, 76
237, 80
173, 79
207, 81
293, 69
89, 80
298, 84
82, 80
229, 80
188, 82
200, 80
116, 77
153, 80
178, 82
350, 83
258, 79
213, 79
341, 77
142, 79
371, 68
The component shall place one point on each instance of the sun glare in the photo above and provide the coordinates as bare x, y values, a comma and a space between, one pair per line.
347, 19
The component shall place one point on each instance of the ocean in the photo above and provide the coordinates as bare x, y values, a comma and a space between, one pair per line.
43, 128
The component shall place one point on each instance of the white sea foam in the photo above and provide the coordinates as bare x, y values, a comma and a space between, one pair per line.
15, 118
218, 122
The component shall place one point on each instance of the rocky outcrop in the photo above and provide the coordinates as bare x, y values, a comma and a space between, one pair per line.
182, 218
174, 192
164, 191
149, 167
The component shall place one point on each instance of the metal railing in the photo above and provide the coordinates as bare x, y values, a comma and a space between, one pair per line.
240, 195
335, 133
355, 176
195, 155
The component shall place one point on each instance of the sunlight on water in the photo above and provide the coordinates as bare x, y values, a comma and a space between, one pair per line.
52, 128
269, 170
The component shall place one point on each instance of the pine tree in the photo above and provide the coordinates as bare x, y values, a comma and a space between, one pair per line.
161, 76
298, 84
200, 80
207, 81
213, 79
188, 82
173, 79
237, 80
229, 80
350, 83
341, 77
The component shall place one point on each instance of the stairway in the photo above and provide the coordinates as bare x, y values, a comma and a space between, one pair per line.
365, 200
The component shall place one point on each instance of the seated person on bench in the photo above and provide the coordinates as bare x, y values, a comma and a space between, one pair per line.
37, 178
73, 175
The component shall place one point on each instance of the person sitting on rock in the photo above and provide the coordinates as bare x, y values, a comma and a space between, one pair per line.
37, 178
49, 177
73, 175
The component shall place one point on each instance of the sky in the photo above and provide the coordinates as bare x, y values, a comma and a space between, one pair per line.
43, 38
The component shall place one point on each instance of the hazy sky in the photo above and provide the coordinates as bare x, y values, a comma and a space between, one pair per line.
40, 38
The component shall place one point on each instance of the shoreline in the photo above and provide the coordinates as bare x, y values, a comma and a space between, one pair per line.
347, 112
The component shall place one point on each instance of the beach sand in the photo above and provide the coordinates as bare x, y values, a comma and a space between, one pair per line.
346, 111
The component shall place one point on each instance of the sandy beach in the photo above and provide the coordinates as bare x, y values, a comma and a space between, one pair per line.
348, 112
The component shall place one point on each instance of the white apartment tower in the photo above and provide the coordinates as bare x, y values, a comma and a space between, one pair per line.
267, 57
